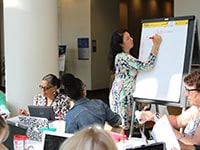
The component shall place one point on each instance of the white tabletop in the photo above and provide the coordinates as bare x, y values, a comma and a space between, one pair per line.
34, 145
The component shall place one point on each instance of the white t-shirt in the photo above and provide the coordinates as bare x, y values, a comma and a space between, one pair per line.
194, 120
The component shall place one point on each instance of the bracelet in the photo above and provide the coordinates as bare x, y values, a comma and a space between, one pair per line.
156, 116
181, 137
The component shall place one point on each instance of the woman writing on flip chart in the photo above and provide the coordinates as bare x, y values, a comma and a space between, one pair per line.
126, 68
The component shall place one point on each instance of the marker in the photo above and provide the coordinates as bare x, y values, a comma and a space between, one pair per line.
151, 37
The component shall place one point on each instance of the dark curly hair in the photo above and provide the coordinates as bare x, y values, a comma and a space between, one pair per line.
193, 79
72, 86
52, 79
115, 47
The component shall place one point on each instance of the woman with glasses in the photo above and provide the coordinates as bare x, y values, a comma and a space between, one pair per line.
85, 112
189, 120
50, 96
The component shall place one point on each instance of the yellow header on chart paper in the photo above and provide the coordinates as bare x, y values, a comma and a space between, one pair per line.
181, 22
164, 24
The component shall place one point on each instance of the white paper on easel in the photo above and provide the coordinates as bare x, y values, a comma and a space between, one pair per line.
163, 132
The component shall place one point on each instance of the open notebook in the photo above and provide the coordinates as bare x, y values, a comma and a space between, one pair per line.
53, 140
34, 125
163, 132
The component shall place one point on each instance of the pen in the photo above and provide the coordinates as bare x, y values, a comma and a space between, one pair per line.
151, 37
123, 134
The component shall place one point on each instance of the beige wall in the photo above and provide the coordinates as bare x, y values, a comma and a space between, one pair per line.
104, 20
74, 23
95, 20
31, 48
185, 8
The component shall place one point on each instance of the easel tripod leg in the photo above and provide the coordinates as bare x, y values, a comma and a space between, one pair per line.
132, 120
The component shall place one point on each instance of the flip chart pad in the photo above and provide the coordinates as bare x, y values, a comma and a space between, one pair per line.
164, 83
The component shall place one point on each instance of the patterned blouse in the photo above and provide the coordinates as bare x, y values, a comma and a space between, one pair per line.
193, 123
60, 104
123, 86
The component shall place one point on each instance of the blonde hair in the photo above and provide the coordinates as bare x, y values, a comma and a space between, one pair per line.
92, 138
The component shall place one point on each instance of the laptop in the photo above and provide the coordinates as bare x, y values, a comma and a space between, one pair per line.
153, 146
53, 140
15, 127
42, 111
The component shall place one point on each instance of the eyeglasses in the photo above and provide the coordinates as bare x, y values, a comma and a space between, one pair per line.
45, 88
189, 90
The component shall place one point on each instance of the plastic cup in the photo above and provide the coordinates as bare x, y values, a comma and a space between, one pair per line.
20, 142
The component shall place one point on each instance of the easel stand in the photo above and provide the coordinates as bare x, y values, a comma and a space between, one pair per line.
156, 87
134, 118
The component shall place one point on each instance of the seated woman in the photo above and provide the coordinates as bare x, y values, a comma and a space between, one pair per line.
85, 112
189, 119
51, 97
91, 138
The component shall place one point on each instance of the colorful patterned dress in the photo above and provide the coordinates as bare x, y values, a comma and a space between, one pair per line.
121, 94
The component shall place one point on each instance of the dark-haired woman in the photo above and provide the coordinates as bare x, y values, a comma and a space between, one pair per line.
126, 67
51, 97
85, 112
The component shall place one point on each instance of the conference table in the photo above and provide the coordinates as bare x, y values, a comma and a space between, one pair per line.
122, 145
60, 127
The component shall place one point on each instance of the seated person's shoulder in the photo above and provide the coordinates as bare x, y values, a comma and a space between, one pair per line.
3, 147
2, 96
39, 96
191, 109
99, 101
2, 93
61, 95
